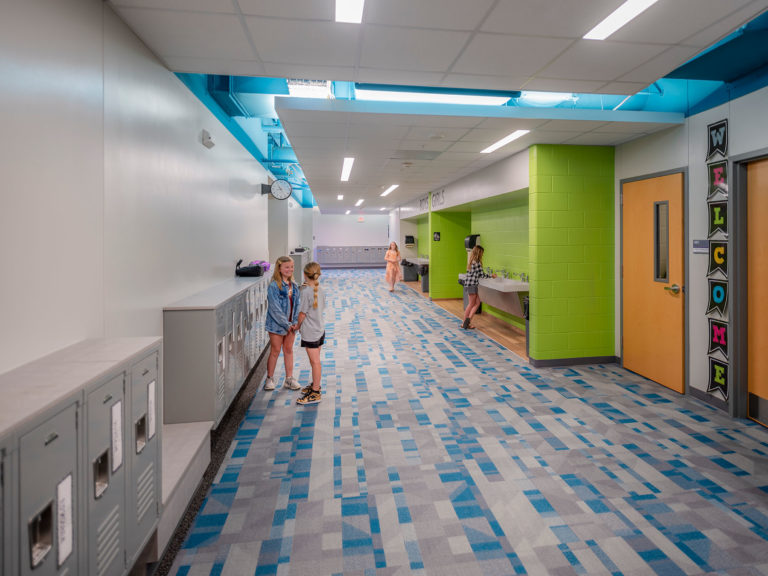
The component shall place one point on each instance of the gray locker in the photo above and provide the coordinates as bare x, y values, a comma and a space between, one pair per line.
105, 473
6, 482
49, 496
222, 361
143, 452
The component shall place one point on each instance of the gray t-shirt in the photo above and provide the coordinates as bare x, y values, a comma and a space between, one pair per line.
313, 326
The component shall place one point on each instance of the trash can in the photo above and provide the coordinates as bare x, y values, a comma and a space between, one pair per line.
424, 273
410, 273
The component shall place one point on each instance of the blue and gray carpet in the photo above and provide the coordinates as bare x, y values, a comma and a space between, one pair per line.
435, 451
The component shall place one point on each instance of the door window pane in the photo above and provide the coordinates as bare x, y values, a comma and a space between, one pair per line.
661, 241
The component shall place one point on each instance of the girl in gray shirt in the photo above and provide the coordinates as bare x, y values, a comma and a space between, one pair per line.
311, 326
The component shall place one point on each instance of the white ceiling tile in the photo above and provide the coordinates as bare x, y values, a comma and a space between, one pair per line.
672, 21
300, 42
473, 147
295, 115
562, 85
316, 129
487, 136
561, 18
447, 121
507, 125
402, 77
222, 6
622, 88
323, 10
385, 131
724, 27
551, 136
631, 127
429, 145
222, 66
513, 56
600, 60
410, 49
433, 133
445, 14
484, 81
661, 65
598, 139
571, 125
190, 34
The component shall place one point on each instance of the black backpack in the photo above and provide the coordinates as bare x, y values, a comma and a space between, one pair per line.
255, 270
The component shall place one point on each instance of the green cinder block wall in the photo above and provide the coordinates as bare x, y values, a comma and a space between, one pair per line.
448, 258
571, 252
422, 235
503, 229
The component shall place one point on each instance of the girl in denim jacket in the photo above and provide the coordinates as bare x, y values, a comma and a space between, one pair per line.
282, 315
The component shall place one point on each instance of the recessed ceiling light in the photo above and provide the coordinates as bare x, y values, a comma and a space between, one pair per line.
630, 10
504, 141
359, 202
340, 197
349, 11
382, 208
388, 190
346, 169
348, 211
429, 97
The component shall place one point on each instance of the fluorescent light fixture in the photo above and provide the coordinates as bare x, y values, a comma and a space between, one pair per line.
382, 208
349, 11
546, 98
346, 169
504, 141
359, 202
388, 190
630, 10
348, 211
429, 97
340, 197
309, 88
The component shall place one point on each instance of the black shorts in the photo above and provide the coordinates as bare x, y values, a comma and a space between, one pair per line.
305, 344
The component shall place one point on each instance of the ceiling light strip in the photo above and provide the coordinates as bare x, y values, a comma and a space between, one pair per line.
504, 141
429, 97
359, 202
346, 169
628, 11
350, 11
390, 189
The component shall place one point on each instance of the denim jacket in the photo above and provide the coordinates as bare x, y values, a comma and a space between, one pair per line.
279, 307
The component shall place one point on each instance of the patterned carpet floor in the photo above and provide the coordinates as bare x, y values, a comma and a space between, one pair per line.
435, 451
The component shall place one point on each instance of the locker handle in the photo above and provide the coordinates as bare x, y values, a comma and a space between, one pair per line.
107, 398
146, 371
51, 438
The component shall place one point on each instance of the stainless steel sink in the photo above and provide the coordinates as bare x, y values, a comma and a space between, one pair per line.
504, 294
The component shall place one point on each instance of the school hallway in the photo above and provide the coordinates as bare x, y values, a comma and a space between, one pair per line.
436, 451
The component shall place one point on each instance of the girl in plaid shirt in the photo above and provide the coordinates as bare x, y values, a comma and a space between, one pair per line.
474, 273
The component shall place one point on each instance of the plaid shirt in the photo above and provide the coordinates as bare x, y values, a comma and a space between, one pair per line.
474, 274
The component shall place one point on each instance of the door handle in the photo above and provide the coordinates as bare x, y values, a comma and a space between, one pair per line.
675, 289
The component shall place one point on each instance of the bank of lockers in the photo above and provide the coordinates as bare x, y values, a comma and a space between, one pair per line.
210, 348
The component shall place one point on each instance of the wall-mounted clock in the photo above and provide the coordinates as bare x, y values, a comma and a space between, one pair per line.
281, 189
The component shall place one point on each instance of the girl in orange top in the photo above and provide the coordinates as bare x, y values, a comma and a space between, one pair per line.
392, 257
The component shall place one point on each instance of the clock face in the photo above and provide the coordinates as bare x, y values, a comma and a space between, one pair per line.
281, 189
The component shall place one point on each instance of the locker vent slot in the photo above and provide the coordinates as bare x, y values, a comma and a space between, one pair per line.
41, 535
221, 389
145, 492
108, 541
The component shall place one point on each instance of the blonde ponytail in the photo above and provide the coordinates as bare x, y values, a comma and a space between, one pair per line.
312, 271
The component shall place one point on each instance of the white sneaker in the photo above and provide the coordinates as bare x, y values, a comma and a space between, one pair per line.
269, 384
291, 383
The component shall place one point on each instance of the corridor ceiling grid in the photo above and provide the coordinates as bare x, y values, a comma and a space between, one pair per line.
478, 44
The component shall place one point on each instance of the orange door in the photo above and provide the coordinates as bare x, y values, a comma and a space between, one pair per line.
757, 276
652, 283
